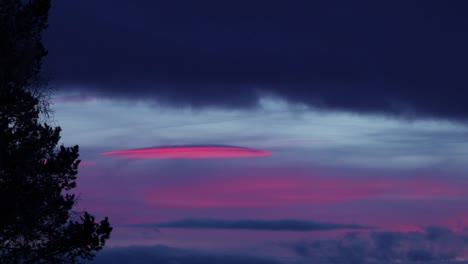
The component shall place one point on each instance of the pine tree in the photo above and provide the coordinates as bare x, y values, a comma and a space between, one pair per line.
37, 220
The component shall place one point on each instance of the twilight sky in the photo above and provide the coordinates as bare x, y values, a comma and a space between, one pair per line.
267, 131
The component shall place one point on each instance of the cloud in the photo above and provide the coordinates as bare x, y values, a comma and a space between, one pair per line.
374, 57
435, 244
289, 187
352, 248
169, 255
435, 233
187, 152
249, 224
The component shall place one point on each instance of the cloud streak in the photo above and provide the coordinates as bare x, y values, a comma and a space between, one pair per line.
250, 224
163, 254
187, 152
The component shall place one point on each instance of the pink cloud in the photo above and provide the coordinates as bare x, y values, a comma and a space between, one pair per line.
187, 152
397, 202
286, 190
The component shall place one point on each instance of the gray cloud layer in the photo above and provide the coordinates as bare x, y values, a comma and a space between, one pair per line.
271, 225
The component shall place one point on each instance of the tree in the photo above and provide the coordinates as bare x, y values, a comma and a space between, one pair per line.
37, 220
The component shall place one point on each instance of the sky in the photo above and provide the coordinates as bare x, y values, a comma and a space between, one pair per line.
267, 131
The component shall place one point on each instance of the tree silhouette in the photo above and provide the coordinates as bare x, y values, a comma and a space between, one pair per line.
37, 221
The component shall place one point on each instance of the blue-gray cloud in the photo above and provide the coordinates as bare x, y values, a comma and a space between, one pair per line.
249, 224
169, 255
434, 244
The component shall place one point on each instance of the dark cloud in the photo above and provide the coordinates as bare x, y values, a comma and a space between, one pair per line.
169, 255
420, 255
435, 245
272, 225
353, 248
365, 56
437, 232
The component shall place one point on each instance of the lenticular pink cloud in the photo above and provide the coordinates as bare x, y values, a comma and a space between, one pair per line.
187, 152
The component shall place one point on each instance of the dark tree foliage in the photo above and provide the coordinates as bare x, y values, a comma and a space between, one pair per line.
37, 221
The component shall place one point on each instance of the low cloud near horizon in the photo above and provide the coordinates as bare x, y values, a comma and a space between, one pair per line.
433, 244
169, 255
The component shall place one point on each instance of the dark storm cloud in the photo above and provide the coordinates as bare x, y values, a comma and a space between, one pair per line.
271, 225
163, 254
362, 56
